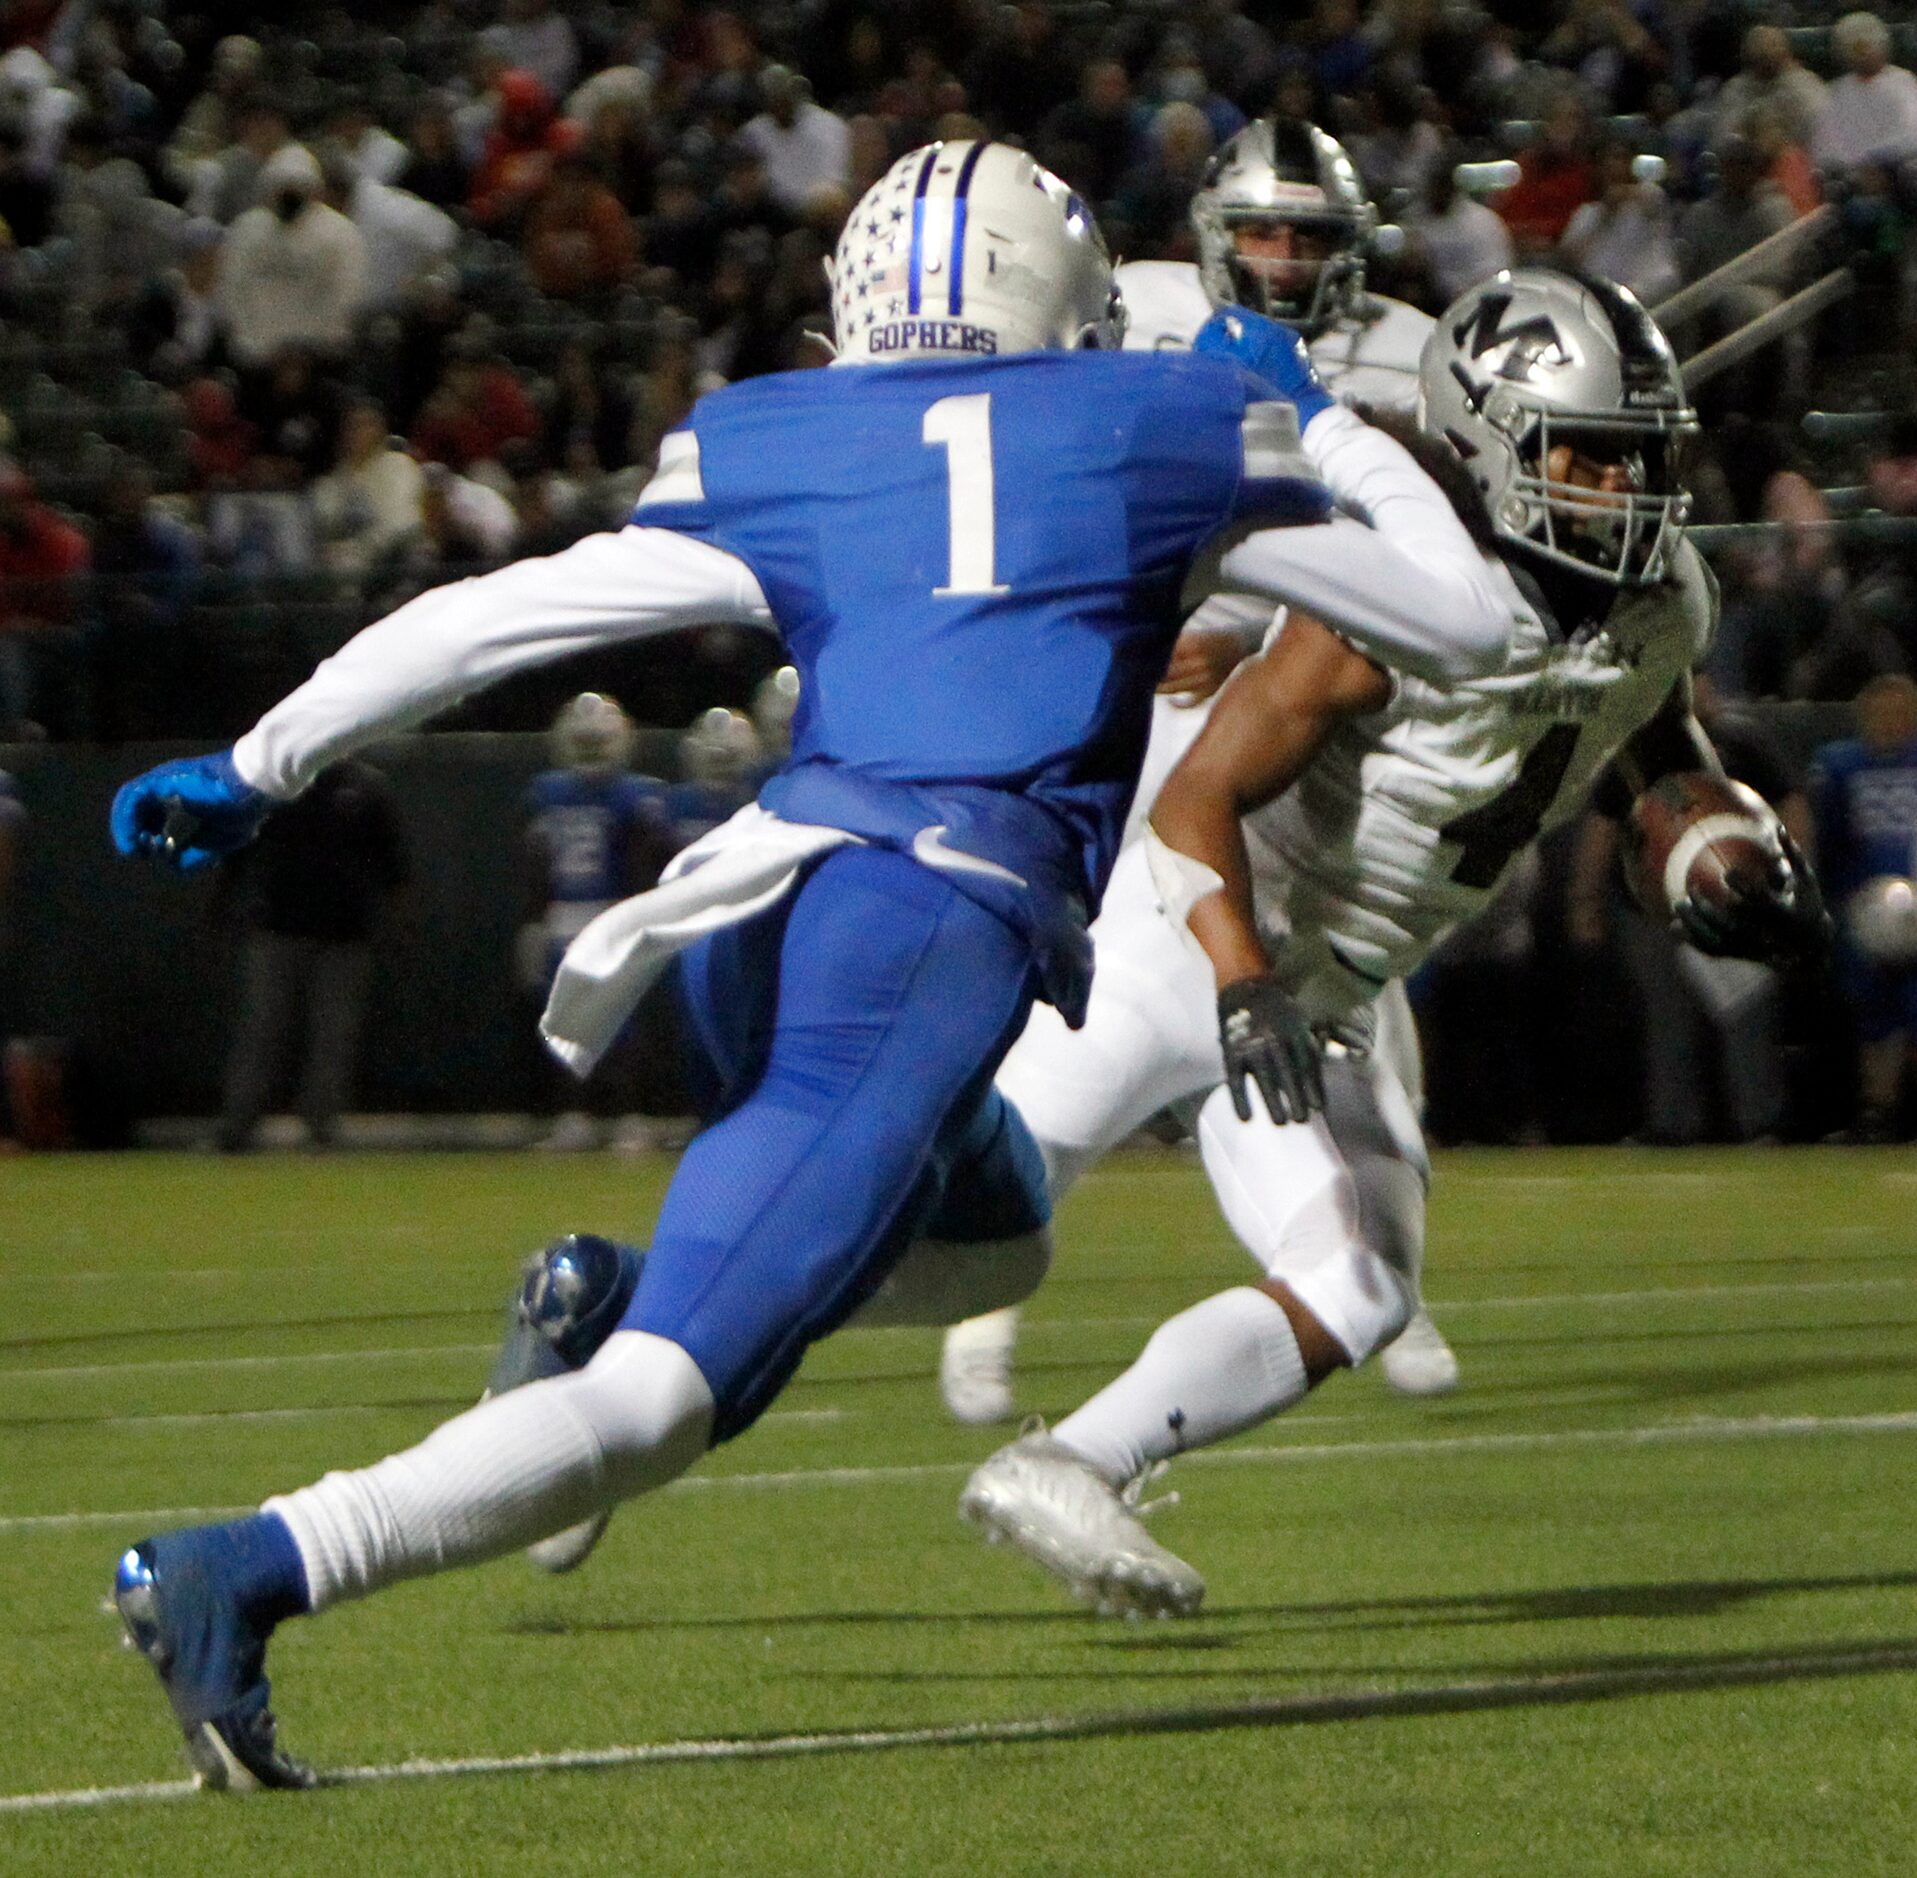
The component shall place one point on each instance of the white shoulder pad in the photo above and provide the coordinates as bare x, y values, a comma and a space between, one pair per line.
677, 478
1165, 305
1271, 443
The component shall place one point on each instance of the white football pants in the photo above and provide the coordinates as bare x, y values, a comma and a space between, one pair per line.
1333, 1207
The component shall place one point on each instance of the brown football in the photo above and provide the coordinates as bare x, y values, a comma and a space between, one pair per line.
1699, 835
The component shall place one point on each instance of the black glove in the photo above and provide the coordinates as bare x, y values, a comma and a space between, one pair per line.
1267, 1040
1779, 921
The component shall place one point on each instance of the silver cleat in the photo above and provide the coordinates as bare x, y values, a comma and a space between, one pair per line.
1061, 1513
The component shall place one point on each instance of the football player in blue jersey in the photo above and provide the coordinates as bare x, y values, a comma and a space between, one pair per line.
596, 834
1864, 797
974, 537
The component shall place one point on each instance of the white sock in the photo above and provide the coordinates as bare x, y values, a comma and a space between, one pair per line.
511, 1471
1223, 1366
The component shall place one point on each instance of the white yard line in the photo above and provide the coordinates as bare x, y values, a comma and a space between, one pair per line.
1344, 1705
1551, 1300
1700, 1429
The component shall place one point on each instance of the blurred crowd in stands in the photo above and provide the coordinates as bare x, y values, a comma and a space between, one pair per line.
304, 309
301, 317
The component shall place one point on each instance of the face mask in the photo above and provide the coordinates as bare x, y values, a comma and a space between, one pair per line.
288, 203
1186, 85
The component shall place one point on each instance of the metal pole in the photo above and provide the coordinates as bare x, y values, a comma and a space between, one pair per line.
1793, 312
1689, 301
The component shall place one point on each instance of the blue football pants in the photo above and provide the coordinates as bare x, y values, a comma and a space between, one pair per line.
850, 1034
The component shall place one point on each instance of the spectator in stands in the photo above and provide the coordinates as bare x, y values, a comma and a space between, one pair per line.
1870, 114
588, 413
617, 136
1884, 632
369, 149
26, 197
231, 181
119, 235
1787, 165
221, 444
463, 523
681, 236
1341, 51
1625, 235
434, 170
173, 325
518, 153
404, 234
293, 270
1773, 78
43, 559
1741, 210
146, 564
477, 408
212, 121
1615, 55
550, 510
1019, 66
1150, 214
368, 506
1865, 795
1457, 239
578, 238
311, 891
1396, 145
1178, 76
294, 406
35, 103
1097, 136
803, 145
537, 38
1555, 175
744, 203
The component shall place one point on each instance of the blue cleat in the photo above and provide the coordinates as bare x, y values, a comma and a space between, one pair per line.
570, 1300
184, 1600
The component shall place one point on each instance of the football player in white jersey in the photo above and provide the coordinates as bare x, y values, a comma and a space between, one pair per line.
1330, 824
1283, 226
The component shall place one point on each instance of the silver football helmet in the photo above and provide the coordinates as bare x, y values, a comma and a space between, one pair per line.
1284, 174
719, 747
1532, 361
594, 734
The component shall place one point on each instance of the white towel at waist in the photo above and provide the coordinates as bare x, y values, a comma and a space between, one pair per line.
742, 867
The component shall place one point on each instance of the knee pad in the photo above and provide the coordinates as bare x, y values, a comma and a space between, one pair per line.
1361, 1298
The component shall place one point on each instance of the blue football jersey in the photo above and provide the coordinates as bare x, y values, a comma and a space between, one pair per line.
1866, 810
586, 825
977, 568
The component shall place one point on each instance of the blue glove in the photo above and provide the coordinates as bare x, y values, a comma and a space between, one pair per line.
189, 812
1272, 351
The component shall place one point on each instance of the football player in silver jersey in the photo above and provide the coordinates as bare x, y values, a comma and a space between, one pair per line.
1283, 227
1331, 823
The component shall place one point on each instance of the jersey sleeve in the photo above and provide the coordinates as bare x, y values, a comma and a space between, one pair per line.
458, 639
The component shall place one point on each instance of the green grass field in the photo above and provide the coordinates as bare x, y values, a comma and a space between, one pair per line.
1637, 1600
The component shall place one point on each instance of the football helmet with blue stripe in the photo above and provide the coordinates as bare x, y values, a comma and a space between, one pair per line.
970, 248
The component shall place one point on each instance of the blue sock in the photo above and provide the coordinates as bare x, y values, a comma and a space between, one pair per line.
258, 1558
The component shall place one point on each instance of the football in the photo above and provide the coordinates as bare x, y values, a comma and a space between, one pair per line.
1699, 836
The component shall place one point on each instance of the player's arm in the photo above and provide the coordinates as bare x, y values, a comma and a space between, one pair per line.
1401, 574
1269, 724
429, 654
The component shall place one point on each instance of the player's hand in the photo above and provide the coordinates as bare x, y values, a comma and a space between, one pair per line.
189, 812
1201, 661
1781, 921
1267, 1041
1275, 352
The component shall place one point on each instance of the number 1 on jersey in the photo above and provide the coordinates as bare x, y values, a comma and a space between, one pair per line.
964, 426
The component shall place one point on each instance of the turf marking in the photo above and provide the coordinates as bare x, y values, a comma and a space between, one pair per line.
1544, 1300
1338, 1705
1653, 1434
